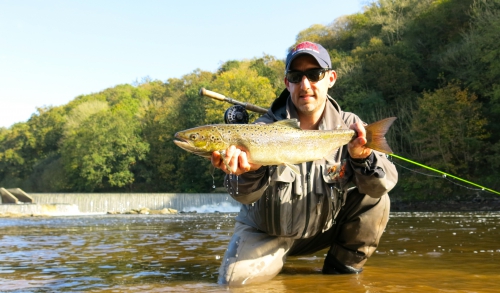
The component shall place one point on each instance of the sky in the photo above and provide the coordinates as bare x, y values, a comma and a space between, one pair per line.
53, 51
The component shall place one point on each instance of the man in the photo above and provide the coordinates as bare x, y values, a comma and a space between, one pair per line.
285, 214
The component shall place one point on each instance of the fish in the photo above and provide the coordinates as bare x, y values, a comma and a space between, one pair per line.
280, 143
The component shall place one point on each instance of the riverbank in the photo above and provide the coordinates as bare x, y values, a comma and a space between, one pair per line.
447, 206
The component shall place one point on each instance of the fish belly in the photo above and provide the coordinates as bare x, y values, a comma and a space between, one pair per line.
295, 148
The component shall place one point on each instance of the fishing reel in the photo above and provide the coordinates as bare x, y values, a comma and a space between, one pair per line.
236, 114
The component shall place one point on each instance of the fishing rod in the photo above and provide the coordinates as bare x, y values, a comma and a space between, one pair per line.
444, 173
238, 115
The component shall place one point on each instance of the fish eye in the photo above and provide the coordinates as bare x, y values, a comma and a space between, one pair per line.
193, 136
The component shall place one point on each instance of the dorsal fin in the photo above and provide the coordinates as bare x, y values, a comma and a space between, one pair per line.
293, 123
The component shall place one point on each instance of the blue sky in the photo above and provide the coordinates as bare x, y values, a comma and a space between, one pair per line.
52, 51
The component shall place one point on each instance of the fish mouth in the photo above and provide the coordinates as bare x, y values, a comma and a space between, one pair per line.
185, 145
180, 141
178, 137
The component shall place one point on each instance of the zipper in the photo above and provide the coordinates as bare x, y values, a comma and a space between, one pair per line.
269, 214
318, 208
277, 212
308, 204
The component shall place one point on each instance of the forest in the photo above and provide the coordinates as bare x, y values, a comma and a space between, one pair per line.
434, 64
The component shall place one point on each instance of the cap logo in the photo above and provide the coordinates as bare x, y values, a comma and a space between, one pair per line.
305, 46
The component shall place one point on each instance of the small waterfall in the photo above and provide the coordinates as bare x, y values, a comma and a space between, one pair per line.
122, 202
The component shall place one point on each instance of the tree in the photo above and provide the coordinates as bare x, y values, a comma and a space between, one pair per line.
449, 132
272, 69
315, 33
173, 169
102, 151
243, 84
16, 143
27, 144
475, 60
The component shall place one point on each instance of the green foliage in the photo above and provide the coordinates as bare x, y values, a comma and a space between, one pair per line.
82, 112
476, 59
272, 69
228, 65
242, 83
48, 176
26, 144
15, 143
449, 131
102, 151
314, 33
182, 109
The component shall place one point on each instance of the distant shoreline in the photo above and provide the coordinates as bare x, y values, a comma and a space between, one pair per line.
447, 206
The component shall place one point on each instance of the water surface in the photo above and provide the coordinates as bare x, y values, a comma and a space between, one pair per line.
419, 252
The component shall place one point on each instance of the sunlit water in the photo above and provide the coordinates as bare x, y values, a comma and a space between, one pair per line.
419, 252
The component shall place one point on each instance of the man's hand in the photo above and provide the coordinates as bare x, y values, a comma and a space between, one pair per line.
356, 147
233, 161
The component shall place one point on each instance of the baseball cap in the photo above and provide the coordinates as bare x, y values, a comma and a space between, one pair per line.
316, 50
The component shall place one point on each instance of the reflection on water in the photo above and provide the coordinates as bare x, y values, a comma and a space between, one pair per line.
419, 252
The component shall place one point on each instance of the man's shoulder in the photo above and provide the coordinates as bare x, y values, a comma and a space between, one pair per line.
350, 118
266, 119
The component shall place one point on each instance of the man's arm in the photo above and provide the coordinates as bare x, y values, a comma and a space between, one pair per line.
374, 174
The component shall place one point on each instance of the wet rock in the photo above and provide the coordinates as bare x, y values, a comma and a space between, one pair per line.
14, 215
145, 211
168, 211
475, 204
21, 215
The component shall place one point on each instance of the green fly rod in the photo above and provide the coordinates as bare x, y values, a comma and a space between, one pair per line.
444, 173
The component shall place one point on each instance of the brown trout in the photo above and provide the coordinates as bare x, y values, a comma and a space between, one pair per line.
278, 143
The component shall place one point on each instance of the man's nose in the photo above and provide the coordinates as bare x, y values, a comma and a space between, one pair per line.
305, 83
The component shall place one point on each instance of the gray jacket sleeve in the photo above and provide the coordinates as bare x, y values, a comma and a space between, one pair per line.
375, 176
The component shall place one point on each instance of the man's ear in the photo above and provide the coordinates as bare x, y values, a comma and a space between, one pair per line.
287, 83
332, 77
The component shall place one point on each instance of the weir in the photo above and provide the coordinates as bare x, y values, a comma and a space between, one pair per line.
122, 202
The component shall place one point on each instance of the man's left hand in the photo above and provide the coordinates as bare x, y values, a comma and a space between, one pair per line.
356, 147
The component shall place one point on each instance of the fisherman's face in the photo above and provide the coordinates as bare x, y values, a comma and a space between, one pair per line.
309, 97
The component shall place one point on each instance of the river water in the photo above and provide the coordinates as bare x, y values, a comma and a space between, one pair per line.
419, 252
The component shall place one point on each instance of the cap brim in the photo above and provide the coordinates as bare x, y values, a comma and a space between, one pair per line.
318, 60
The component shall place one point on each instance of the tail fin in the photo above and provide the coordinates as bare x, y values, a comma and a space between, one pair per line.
375, 135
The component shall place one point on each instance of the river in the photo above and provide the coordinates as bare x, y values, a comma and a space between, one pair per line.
419, 252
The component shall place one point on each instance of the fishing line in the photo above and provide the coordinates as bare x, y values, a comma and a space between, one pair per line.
437, 176
444, 174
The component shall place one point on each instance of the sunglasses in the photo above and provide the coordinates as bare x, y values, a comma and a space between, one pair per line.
313, 75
